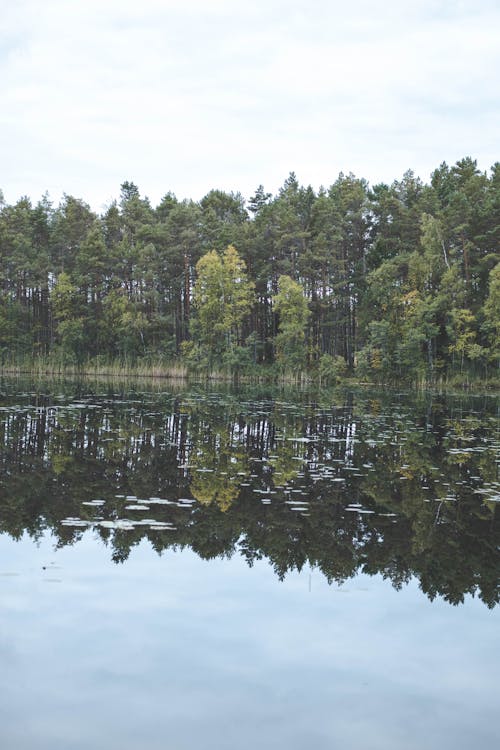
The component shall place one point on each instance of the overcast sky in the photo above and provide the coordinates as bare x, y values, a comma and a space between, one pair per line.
189, 95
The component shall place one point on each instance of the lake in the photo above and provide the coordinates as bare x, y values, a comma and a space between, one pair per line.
239, 568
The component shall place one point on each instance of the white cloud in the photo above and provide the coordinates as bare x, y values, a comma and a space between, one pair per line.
186, 97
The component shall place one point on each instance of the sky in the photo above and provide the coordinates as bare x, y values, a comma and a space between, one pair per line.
191, 95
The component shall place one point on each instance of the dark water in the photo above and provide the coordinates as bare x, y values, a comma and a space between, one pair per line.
247, 569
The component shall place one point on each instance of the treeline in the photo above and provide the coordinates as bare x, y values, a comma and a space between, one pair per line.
387, 282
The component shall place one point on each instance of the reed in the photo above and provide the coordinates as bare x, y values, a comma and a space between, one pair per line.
178, 370
56, 367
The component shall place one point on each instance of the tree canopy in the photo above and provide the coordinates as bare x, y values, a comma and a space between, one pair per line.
393, 282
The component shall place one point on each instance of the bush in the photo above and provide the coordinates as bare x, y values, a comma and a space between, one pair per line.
331, 369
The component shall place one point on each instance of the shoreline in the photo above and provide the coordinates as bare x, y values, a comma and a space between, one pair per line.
180, 373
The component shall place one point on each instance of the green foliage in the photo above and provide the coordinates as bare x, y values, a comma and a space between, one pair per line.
124, 326
15, 337
291, 307
68, 311
222, 299
399, 281
491, 313
331, 370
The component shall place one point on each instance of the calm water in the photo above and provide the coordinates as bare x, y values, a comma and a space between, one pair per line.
228, 569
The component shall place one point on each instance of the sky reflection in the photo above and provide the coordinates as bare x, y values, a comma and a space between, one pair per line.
177, 652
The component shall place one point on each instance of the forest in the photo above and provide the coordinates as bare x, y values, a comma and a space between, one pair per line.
384, 283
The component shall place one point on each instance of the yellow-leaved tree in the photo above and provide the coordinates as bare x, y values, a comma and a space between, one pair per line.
222, 299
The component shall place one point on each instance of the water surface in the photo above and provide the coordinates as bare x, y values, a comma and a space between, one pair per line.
238, 569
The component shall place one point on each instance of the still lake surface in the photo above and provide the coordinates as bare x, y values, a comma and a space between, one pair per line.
247, 568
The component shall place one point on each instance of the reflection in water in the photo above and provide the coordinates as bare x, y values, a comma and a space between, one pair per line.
402, 487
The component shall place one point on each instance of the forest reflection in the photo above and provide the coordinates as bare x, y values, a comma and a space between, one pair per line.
403, 486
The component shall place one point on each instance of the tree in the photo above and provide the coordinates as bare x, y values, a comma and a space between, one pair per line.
222, 216
259, 200
222, 299
291, 306
124, 327
72, 222
68, 311
461, 329
491, 313
399, 279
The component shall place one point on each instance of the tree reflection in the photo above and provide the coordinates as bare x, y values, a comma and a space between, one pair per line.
401, 488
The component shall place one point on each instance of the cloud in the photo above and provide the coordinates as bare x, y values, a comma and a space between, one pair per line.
189, 96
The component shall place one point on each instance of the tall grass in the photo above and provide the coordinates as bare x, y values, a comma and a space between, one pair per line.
147, 367
58, 367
